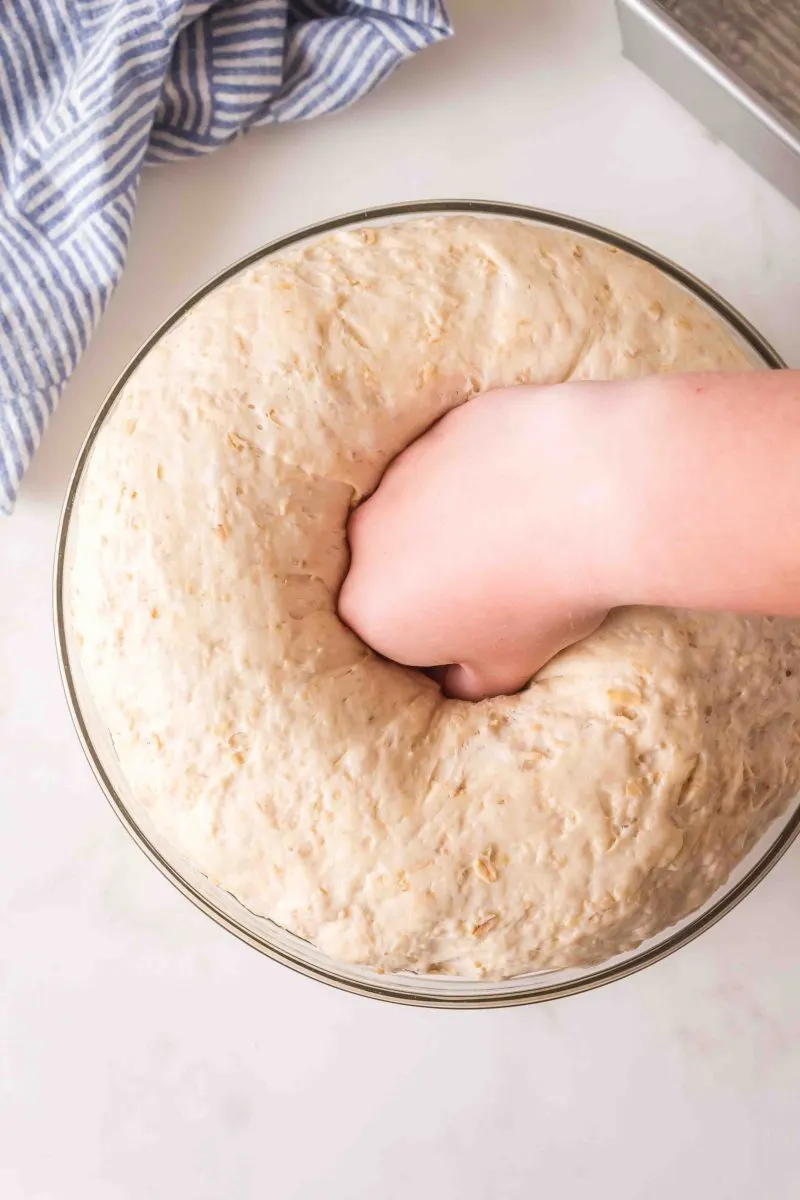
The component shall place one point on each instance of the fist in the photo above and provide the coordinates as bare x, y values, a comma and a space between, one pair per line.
483, 551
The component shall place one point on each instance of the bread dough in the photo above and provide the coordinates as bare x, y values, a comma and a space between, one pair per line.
334, 792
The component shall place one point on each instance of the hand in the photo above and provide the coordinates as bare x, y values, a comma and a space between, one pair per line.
486, 548
507, 532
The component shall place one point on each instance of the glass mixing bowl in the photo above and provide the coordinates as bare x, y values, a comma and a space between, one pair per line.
434, 991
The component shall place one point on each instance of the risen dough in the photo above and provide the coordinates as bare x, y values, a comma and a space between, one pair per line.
331, 791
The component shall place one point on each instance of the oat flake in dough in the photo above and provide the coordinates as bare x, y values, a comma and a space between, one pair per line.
333, 792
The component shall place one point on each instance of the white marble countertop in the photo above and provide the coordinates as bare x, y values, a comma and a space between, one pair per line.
144, 1052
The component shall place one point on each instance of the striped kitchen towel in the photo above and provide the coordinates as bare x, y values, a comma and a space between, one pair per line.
90, 91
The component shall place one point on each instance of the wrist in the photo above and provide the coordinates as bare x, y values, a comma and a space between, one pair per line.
656, 488
611, 493
640, 539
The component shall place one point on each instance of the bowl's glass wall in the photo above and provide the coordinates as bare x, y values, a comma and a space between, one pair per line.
262, 933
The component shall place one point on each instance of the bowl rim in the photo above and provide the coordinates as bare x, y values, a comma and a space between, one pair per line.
489, 994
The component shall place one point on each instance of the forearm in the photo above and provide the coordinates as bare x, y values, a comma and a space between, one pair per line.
709, 492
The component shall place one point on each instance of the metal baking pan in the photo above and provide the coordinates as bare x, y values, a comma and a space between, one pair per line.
735, 65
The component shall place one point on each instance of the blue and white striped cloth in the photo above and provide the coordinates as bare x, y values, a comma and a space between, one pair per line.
90, 91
